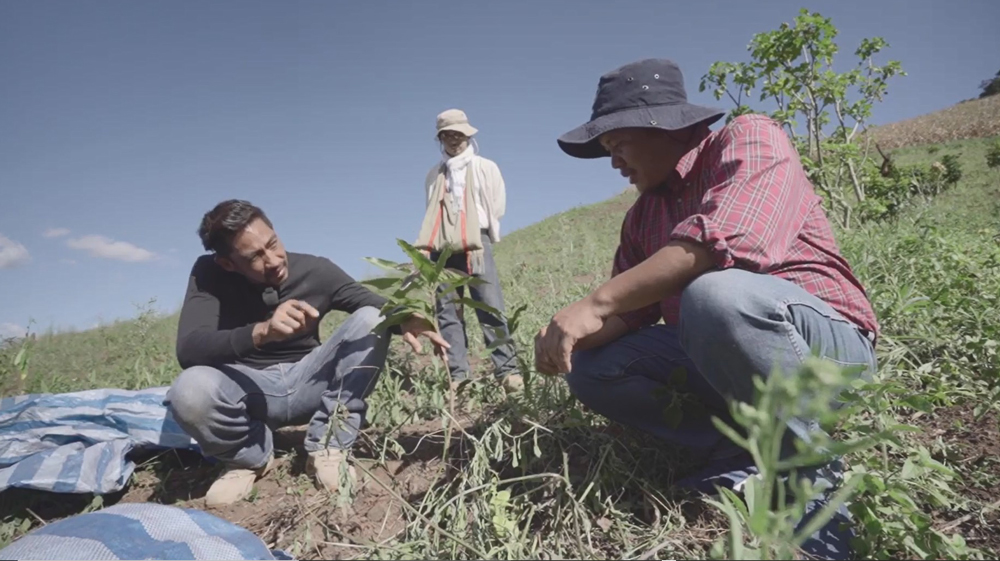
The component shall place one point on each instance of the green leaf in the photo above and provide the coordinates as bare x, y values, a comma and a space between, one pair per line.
382, 283
939, 467
453, 279
729, 433
514, 321
479, 306
21, 359
426, 267
386, 264
392, 321
498, 342
441, 262
736, 502
735, 526
902, 498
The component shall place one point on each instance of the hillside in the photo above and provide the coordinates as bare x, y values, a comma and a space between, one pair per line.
535, 477
975, 118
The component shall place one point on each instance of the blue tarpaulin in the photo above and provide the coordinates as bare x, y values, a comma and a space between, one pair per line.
79, 442
141, 531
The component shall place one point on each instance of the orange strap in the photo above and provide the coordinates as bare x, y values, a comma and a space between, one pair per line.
465, 237
437, 222
463, 217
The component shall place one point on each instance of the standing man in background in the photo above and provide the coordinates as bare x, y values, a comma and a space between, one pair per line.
466, 198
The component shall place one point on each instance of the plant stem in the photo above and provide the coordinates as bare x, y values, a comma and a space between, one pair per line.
451, 390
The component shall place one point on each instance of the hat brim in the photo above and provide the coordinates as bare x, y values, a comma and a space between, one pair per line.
466, 129
584, 141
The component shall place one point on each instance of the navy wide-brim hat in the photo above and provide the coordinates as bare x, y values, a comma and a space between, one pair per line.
648, 94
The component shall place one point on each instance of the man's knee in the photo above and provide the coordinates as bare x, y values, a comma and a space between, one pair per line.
364, 320
590, 371
194, 395
357, 330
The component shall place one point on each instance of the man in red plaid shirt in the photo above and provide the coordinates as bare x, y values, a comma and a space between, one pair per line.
729, 245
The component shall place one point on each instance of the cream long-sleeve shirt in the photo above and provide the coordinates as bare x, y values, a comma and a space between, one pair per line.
491, 195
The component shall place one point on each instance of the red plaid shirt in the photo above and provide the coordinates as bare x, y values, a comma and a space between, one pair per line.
743, 194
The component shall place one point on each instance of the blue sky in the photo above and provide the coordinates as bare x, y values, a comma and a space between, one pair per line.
123, 122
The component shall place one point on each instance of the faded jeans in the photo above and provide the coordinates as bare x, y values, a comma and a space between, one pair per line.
733, 324
231, 411
453, 328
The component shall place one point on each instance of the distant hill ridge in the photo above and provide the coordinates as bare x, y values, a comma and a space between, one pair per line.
976, 118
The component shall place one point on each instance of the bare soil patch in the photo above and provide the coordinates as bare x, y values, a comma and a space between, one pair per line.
974, 448
288, 510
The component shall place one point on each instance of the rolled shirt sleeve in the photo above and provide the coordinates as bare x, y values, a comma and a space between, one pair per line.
751, 213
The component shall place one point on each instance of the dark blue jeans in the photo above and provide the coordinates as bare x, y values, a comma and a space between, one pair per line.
453, 328
733, 324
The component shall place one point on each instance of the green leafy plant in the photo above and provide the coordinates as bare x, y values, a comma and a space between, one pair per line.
993, 156
990, 86
775, 500
884, 496
415, 288
952, 169
792, 67
21, 361
897, 484
18, 361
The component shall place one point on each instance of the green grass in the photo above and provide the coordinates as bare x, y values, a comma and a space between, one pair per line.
129, 354
535, 476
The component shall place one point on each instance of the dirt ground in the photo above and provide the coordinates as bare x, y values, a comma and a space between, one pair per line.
973, 446
287, 508
288, 512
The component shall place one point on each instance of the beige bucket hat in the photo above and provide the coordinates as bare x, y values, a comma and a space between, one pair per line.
455, 120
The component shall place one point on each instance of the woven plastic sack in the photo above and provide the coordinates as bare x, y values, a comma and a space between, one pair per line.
141, 531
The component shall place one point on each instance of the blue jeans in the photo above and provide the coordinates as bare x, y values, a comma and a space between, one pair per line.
733, 324
232, 410
453, 328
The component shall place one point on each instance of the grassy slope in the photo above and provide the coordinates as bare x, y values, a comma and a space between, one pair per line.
560, 259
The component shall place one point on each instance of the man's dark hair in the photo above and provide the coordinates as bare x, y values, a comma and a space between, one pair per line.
221, 224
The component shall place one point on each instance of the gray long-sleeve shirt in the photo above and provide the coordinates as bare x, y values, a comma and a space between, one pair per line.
221, 308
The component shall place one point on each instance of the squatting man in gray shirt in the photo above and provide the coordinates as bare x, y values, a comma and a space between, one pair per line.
248, 341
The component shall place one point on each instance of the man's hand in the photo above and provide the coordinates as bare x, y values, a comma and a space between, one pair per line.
664, 273
416, 326
292, 317
555, 342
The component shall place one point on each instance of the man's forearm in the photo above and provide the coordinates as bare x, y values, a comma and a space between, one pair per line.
614, 328
664, 273
209, 347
